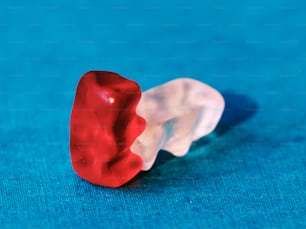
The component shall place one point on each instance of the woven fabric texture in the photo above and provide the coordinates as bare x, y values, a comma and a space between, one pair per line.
249, 174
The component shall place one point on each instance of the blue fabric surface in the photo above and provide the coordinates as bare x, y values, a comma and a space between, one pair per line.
249, 173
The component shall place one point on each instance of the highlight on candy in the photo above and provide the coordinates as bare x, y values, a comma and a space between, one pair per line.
116, 131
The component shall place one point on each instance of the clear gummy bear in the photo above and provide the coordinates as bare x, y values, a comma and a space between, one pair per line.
176, 113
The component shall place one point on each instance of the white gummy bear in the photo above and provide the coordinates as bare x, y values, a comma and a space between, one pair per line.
177, 113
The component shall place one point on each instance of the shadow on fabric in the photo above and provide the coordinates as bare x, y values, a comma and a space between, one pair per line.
238, 108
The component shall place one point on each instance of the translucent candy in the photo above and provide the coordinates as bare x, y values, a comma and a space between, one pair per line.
116, 131
176, 113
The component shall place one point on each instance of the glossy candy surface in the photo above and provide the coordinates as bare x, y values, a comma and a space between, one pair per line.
110, 143
104, 125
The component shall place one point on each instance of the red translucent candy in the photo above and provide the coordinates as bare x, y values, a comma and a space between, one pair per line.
103, 126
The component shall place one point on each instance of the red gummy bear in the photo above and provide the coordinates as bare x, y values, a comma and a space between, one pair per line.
104, 125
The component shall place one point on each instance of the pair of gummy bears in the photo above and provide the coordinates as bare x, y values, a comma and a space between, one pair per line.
116, 130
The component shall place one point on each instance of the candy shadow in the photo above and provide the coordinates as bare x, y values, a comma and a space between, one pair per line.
238, 108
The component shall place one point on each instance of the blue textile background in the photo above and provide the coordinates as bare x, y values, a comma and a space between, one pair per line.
250, 173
